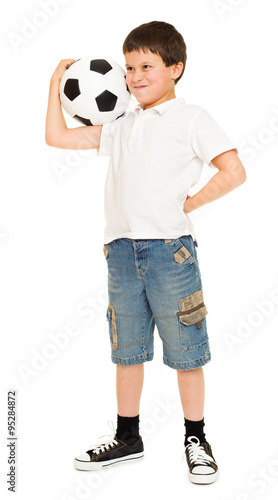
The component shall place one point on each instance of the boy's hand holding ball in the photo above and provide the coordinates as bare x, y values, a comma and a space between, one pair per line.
61, 68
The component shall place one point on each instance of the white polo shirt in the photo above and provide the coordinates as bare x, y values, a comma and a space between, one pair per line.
156, 156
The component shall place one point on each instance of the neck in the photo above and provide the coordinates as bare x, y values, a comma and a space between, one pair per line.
165, 98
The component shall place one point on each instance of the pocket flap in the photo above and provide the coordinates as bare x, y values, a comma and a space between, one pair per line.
192, 309
181, 255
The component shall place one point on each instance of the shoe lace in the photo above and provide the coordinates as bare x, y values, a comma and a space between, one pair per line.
197, 453
105, 446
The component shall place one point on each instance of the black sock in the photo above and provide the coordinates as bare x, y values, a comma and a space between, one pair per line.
128, 429
194, 428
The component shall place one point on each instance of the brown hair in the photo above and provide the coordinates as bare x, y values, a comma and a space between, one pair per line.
160, 38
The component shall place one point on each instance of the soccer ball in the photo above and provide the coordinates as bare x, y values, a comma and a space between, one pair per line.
94, 91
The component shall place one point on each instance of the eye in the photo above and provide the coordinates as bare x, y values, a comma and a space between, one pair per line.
146, 66
129, 68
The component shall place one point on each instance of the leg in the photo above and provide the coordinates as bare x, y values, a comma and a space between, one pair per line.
129, 384
192, 393
131, 323
127, 445
203, 468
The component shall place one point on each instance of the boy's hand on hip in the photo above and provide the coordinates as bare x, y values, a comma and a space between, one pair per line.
231, 174
186, 206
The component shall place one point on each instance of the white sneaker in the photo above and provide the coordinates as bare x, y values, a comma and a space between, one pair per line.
202, 465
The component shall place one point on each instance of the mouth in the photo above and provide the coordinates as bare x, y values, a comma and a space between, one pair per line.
139, 87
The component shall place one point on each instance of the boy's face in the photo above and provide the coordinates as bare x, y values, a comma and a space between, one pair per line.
148, 79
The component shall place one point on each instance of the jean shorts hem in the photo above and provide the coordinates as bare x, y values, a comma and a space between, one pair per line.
134, 360
187, 365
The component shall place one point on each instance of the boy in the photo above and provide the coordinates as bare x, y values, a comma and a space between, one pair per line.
156, 154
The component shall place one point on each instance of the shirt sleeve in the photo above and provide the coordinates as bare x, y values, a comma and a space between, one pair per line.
107, 137
208, 139
106, 140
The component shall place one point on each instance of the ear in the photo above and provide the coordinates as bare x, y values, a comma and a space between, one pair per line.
177, 69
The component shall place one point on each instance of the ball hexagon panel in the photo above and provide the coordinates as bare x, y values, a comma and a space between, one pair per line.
92, 84
123, 102
84, 106
101, 117
115, 82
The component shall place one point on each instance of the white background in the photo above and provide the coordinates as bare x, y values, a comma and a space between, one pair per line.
54, 275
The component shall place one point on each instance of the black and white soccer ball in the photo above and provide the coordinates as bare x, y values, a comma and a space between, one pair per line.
93, 90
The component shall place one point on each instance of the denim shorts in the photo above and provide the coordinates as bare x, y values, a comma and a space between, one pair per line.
156, 282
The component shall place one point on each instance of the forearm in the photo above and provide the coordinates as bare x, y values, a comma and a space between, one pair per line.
55, 121
219, 185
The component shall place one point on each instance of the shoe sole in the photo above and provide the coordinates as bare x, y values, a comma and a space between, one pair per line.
203, 478
80, 465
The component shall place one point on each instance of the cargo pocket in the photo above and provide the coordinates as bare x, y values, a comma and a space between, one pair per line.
181, 255
184, 253
111, 317
105, 251
192, 309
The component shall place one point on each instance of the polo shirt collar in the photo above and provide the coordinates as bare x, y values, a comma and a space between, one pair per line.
163, 107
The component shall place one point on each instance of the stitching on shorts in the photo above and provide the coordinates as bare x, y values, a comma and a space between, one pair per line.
140, 358
135, 343
197, 362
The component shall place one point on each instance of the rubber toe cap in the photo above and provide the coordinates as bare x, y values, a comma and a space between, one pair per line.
84, 457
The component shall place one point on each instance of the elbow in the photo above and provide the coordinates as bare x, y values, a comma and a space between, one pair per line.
239, 175
48, 139
52, 141
48, 142
237, 181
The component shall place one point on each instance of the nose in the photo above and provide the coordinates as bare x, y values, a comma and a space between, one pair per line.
137, 76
